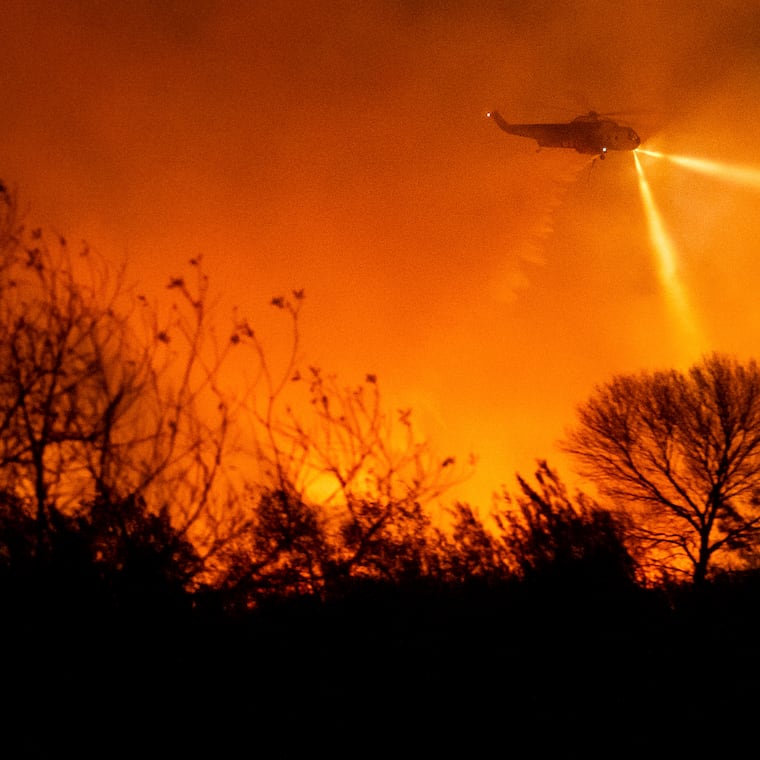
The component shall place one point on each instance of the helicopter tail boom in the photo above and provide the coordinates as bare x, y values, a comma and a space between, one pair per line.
543, 134
499, 119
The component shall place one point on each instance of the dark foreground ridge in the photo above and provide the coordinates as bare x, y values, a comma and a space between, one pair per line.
517, 670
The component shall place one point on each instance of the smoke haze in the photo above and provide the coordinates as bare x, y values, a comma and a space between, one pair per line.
343, 148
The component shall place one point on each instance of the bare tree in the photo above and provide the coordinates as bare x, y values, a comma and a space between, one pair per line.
340, 484
102, 401
680, 452
62, 395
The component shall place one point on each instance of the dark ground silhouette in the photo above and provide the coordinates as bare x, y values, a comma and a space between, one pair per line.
110, 651
512, 670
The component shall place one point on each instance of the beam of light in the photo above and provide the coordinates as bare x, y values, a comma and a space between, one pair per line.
732, 173
667, 258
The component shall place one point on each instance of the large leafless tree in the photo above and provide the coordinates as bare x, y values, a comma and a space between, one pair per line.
680, 453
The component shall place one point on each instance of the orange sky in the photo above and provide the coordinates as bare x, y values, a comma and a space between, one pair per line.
343, 148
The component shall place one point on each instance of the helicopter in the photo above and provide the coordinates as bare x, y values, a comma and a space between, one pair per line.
589, 133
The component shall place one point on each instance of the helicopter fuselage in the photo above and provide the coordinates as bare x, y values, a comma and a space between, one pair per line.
585, 134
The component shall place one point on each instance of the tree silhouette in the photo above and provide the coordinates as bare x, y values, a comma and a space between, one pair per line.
376, 474
68, 376
105, 404
336, 486
680, 452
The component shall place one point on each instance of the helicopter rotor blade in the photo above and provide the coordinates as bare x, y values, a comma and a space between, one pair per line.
625, 114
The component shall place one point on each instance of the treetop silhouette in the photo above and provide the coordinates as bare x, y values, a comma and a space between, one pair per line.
680, 453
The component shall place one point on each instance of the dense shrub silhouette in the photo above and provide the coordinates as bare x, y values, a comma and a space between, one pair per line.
142, 562
553, 537
295, 548
110, 558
